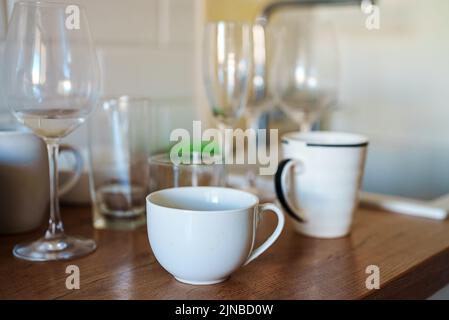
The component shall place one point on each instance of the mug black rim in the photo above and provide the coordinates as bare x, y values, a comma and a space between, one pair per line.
363, 143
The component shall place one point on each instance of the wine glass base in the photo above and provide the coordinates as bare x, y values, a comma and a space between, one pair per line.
62, 248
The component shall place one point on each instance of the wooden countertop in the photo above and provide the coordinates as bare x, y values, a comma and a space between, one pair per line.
412, 254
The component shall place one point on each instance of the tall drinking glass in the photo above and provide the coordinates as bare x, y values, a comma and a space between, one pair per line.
227, 50
51, 81
119, 130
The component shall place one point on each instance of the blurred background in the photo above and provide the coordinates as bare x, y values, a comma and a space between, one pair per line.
392, 81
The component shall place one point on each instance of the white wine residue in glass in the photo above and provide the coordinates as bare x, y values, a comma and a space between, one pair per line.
51, 123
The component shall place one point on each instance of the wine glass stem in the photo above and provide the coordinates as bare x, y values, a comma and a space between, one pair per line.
253, 123
55, 228
225, 151
225, 145
253, 120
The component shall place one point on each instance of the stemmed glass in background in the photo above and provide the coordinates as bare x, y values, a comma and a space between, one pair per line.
304, 70
52, 82
259, 98
226, 66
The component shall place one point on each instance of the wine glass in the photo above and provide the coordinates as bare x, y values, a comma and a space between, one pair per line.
259, 97
304, 70
51, 81
227, 53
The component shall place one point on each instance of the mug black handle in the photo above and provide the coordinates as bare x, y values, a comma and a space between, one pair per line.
280, 191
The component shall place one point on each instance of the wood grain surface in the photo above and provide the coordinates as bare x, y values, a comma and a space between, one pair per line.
412, 254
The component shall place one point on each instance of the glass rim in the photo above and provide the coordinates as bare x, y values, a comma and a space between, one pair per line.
124, 101
164, 159
229, 23
124, 98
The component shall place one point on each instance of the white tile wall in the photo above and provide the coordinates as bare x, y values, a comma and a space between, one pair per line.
146, 70
119, 21
145, 48
181, 27
2, 20
393, 88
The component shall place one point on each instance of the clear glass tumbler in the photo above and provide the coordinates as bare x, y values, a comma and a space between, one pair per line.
166, 174
119, 149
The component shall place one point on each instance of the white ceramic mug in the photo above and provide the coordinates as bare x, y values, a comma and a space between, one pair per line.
318, 180
203, 234
24, 179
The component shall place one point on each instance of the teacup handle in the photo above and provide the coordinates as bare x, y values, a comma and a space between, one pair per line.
280, 225
66, 187
280, 183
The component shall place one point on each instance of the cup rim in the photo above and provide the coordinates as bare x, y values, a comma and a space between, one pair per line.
326, 139
255, 199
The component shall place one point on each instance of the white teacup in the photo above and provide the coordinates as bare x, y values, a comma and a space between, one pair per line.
318, 180
203, 234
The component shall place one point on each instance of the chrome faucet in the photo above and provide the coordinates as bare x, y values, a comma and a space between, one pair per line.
272, 7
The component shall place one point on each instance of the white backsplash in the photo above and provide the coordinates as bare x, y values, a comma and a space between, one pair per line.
393, 80
145, 48
393, 88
